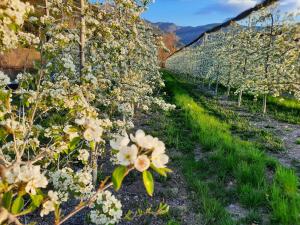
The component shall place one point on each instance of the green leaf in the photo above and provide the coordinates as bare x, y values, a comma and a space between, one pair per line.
93, 145
73, 144
30, 209
18, 204
129, 216
6, 200
118, 176
163, 209
114, 152
55, 156
148, 182
26, 103
3, 134
161, 171
37, 199
32, 223
13, 27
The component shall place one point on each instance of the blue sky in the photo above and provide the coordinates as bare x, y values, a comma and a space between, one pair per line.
200, 12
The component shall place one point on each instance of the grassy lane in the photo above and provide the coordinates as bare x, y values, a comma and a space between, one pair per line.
257, 182
238, 125
181, 142
280, 108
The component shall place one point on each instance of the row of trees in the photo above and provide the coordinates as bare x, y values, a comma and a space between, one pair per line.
259, 56
98, 65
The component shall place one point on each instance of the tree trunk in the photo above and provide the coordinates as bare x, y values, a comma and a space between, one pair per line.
228, 82
203, 83
241, 92
209, 84
240, 99
228, 91
267, 63
265, 104
217, 87
82, 36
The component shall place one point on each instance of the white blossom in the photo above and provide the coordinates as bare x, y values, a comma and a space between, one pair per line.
127, 155
142, 163
83, 155
106, 210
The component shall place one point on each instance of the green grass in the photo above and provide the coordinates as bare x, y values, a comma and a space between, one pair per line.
239, 125
173, 222
285, 102
177, 134
281, 108
298, 141
261, 182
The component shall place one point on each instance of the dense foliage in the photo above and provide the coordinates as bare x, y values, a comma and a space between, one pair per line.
98, 66
259, 56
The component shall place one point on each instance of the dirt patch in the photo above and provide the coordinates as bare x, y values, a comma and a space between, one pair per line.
288, 133
237, 211
198, 153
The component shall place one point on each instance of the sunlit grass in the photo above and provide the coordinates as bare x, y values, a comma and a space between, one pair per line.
285, 102
239, 160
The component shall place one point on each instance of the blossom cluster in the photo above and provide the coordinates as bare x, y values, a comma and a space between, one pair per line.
49, 205
4, 79
244, 58
55, 126
145, 150
106, 209
93, 130
29, 175
13, 13
68, 182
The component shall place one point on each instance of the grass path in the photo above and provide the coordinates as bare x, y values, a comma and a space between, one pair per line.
231, 171
279, 138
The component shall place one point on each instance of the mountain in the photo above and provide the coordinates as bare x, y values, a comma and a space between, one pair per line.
186, 34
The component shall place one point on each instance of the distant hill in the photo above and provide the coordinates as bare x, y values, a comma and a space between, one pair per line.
186, 34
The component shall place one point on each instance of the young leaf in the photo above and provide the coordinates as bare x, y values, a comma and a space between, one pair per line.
92, 145
6, 199
29, 209
37, 199
17, 205
73, 143
163, 209
129, 216
161, 171
148, 182
118, 176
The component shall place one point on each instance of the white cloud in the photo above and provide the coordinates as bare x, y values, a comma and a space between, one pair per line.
290, 3
241, 4
228, 6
